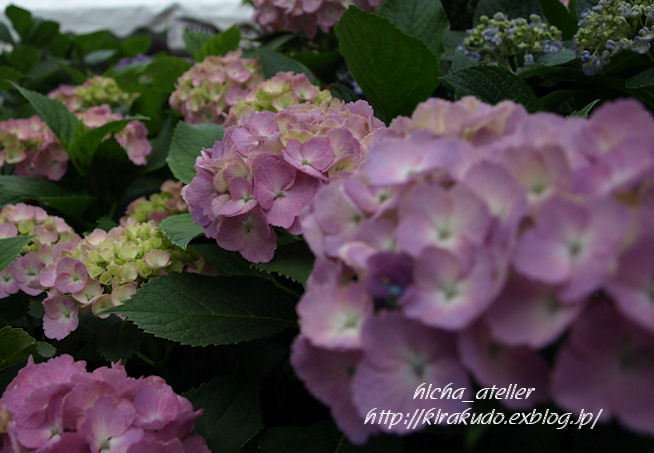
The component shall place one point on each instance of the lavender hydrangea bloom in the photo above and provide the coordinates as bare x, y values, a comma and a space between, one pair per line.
268, 167
498, 228
58, 406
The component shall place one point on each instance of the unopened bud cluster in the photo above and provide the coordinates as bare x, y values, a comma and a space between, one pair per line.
513, 42
611, 27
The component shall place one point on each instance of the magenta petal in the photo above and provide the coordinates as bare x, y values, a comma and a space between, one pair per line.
156, 405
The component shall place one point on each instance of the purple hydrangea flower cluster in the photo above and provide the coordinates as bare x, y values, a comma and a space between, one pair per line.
95, 92
33, 148
58, 406
51, 234
268, 167
157, 206
277, 93
473, 237
205, 93
304, 16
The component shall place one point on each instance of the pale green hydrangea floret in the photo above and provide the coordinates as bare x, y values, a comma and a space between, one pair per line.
157, 206
103, 90
512, 42
277, 93
613, 26
130, 253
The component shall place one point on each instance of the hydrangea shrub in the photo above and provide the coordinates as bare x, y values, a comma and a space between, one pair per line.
471, 238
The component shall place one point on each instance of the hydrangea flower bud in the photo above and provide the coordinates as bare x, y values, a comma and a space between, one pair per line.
268, 167
37, 261
511, 42
157, 206
71, 410
95, 92
33, 148
613, 26
472, 238
205, 93
304, 16
277, 93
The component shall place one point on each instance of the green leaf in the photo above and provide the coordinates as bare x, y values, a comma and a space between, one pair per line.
165, 71
586, 110
232, 412
321, 64
111, 170
106, 224
45, 350
424, 19
273, 62
558, 15
7, 75
70, 205
14, 189
294, 261
180, 229
460, 62
44, 32
161, 145
119, 341
512, 8
492, 84
225, 262
342, 92
199, 311
99, 56
135, 45
21, 20
395, 70
5, 34
641, 80
24, 57
86, 143
188, 140
63, 123
10, 248
16, 346
220, 44
194, 40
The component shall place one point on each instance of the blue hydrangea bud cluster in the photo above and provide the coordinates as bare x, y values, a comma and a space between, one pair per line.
513, 42
613, 26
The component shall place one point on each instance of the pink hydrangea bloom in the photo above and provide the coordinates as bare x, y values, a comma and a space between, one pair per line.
33, 148
58, 406
206, 92
493, 226
37, 261
304, 16
268, 167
